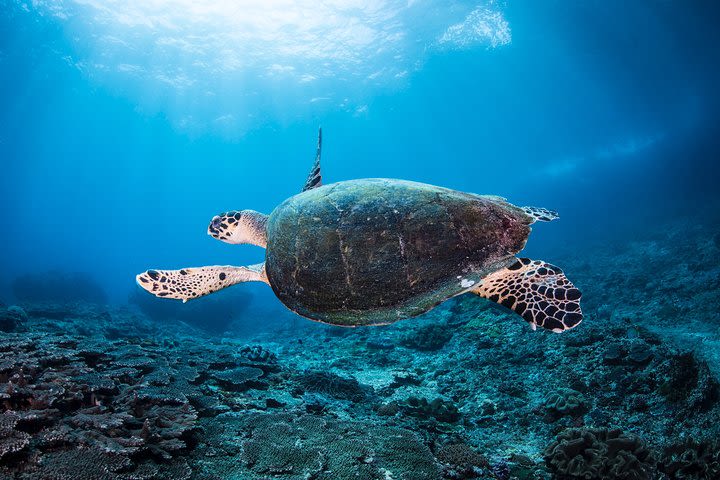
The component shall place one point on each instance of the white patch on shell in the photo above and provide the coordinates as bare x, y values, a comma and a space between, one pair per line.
465, 283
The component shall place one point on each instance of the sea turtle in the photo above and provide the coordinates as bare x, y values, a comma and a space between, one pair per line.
374, 251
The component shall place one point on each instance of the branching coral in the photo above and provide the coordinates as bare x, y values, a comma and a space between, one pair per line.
81, 464
63, 404
11, 441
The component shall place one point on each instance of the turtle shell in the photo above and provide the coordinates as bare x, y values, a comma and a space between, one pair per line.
373, 251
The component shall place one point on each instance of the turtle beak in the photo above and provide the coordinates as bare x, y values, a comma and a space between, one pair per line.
214, 227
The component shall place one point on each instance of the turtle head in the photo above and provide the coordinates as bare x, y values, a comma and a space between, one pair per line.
237, 227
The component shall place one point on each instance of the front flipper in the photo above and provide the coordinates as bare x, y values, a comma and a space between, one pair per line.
538, 291
189, 283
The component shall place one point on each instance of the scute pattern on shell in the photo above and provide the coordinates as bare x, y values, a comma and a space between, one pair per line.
374, 251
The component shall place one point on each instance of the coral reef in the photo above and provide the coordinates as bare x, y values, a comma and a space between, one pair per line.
599, 454
310, 446
688, 382
82, 463
12, 441
338, 387
565, 402
12, 318
692, 460
240, 378
438, 409
258, 354
461, 461
428, 338
142, 399
467, 391
84, 406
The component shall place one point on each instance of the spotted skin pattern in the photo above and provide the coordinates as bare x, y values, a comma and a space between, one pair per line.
540, 214
238, 227
537, 291
189, 283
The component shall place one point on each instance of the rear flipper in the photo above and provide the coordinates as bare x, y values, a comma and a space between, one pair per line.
539, 214
537, 291
189, 283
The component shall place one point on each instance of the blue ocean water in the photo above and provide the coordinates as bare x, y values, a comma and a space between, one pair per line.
127, 125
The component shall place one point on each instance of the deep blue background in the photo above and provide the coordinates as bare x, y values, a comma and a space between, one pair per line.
90, 182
